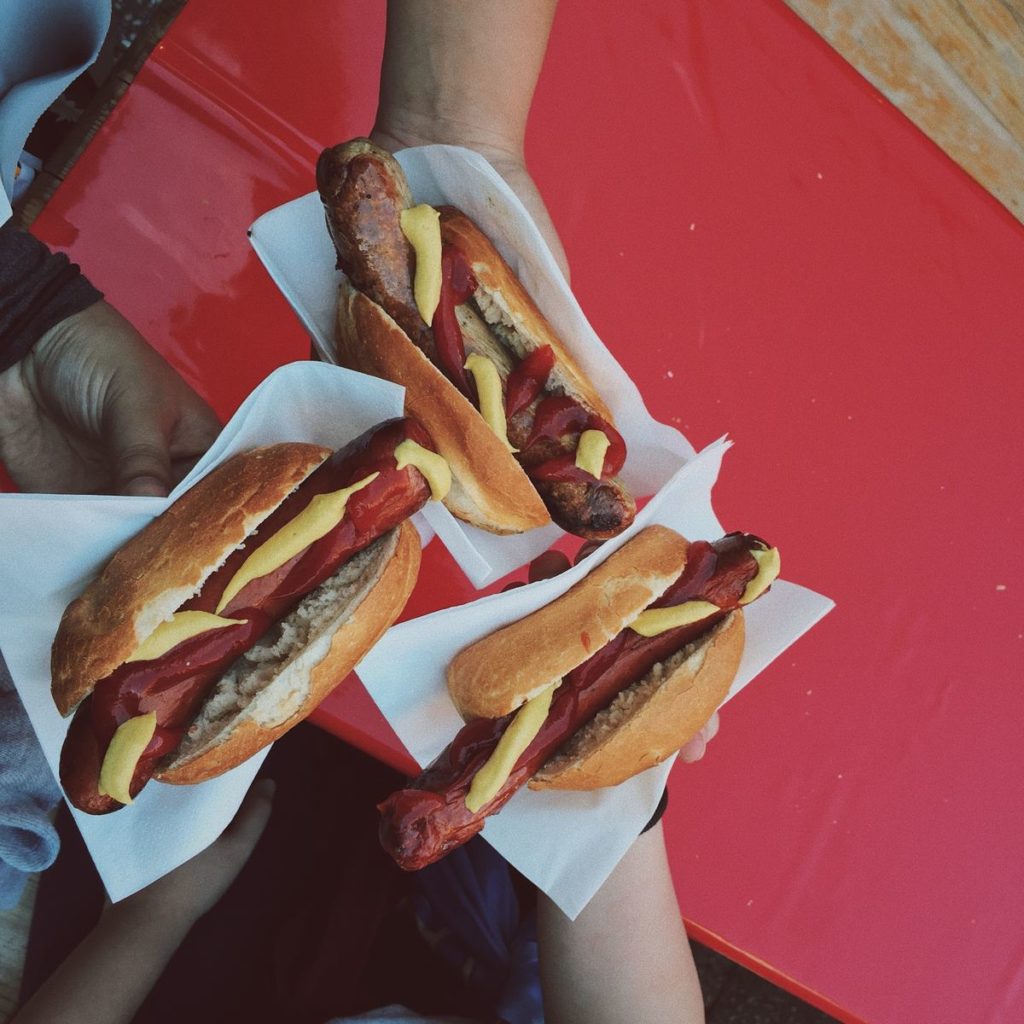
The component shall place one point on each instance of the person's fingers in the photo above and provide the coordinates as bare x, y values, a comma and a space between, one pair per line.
711, 729
197, 428
137, 446
182, 463
694, 749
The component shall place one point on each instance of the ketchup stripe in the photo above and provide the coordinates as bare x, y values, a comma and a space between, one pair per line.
556, 416
176, 684
421, 823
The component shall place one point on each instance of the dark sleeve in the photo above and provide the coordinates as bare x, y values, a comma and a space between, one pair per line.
38, 289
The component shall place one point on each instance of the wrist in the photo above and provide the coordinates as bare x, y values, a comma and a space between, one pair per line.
151, 922
401, 128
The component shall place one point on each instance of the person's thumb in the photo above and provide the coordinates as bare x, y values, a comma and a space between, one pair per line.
137, 448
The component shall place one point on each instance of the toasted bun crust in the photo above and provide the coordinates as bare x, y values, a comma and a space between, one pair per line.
490, 489
278, 698
650, 720
168, 561
505, 304
497, 674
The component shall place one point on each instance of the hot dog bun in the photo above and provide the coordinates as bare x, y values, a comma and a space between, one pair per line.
305, 656
507, 306
167, 562
494, 676
218, 706
489, 488
650, 720
381, 331
601, 684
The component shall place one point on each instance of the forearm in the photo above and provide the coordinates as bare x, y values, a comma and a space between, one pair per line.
107, 978
462, 73
463, 68
627, 956
110, 973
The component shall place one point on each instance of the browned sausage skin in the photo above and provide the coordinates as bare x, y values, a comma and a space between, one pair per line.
364, 191
175, 685
597, 509
427, 819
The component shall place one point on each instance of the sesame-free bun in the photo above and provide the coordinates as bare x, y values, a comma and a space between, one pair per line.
507, 307
380, 331
489, 487
497, 674
165, 564
295, 665
650, 720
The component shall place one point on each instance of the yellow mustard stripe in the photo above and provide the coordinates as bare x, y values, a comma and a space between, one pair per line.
316, 520
514, 741
126, 747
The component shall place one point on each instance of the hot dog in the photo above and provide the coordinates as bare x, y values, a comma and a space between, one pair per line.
605, 701
528, 437
228, 619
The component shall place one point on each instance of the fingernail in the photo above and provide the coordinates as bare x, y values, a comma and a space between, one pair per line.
693, 750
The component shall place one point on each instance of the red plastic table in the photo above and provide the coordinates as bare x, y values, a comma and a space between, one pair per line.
771, 250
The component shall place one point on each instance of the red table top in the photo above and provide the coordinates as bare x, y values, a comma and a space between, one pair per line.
771, 250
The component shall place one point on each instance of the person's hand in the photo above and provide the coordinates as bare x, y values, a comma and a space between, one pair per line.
180, 898
693, 750
113, 969
507, 161
438, 85
92, 408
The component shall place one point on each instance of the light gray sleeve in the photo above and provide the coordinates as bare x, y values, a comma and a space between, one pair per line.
44, 46
28, 840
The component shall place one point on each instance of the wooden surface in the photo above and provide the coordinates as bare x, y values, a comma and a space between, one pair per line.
954, 67
124, 52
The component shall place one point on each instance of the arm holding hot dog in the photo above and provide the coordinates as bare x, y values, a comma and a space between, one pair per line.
438, 86
632, 920
109, 974
86, 406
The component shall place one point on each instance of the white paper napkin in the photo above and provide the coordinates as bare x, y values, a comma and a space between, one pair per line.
293, 243
51, 545
567, 843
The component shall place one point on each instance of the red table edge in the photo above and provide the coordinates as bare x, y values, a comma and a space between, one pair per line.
395, 756
388, 750
780, 979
